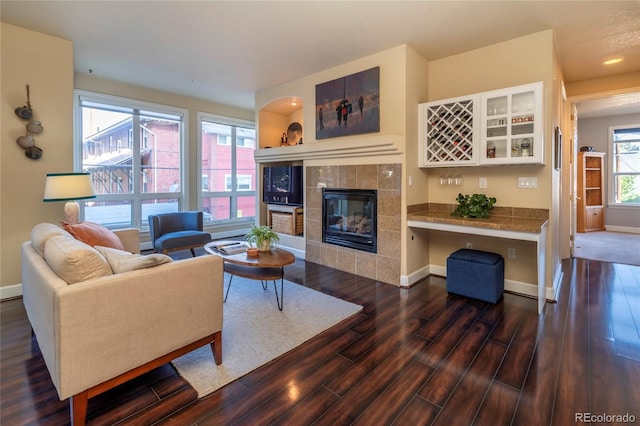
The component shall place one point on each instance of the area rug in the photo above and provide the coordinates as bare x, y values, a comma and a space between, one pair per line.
255, 332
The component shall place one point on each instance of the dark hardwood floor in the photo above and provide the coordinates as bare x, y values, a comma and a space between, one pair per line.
412, 356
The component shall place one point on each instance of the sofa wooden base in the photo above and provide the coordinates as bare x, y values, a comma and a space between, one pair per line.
78, 402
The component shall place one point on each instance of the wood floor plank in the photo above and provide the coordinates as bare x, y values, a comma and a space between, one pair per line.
419, 413
391, 346
455, 365
446, 341
463, 405
362, 394
498, 407
513, 370
396, 396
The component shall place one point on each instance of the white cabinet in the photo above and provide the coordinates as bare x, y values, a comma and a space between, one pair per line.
448, 130
511, 126
491, 128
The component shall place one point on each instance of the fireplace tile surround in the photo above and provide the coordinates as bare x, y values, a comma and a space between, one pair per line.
386, 178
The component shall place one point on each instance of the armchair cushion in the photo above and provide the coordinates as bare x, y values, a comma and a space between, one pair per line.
94, 234
73, 260
181, 239
123, 261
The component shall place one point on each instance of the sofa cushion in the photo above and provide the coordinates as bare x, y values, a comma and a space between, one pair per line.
73, 260
42, 232
123, 261
94, 234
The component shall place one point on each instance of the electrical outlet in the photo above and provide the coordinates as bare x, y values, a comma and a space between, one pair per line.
469, 245
511, 253
482, 182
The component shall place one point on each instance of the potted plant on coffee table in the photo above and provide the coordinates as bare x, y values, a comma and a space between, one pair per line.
262, 237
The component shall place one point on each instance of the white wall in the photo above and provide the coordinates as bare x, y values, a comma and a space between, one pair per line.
595, 132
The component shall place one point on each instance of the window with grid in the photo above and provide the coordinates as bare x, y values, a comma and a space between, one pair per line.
134, 153
624, 165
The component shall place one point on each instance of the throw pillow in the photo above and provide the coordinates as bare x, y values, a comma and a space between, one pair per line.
42, 232
123, 261
94, 234
73, 260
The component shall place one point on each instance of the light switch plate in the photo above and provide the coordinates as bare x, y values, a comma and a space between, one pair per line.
527, 182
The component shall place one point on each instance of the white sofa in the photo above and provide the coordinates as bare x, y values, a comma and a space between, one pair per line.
100, 332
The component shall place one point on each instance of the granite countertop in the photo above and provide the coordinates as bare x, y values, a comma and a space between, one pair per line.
524, 220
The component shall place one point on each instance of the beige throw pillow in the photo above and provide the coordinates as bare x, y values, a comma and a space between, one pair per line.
123, 261
42, 232
73, 260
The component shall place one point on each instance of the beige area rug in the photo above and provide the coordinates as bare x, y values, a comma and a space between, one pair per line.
607, 246
255, 332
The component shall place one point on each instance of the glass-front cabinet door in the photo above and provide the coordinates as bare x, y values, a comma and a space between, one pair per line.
448, 132
511, 126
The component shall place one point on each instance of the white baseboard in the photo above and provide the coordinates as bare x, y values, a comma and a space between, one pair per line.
409, 280
10, 291
524, 288
626, 229
299, 254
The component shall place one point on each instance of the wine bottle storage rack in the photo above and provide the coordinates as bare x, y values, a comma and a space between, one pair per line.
450, 132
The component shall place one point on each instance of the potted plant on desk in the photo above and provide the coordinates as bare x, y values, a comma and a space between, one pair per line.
477, 205
262, 237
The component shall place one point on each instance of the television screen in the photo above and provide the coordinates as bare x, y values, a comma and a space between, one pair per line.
282, 185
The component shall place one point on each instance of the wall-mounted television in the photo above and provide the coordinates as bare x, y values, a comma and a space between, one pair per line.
282, 185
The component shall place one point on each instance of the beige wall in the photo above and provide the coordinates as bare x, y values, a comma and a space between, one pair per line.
46, 64
599, 87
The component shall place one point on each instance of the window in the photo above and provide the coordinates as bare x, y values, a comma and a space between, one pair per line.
624, 154
134, 152
226, 148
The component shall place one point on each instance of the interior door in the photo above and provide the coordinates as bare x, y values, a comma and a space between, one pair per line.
573, 184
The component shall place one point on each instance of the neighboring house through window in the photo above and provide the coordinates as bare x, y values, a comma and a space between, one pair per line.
228, 168
624, 165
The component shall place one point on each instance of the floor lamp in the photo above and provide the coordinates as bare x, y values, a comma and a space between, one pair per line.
69, 187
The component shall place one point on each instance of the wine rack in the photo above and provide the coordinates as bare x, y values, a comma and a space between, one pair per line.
449, 132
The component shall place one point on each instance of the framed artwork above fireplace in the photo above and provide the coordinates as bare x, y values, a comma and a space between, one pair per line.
348, 105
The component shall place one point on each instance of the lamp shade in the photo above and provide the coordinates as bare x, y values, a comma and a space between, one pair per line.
68, 186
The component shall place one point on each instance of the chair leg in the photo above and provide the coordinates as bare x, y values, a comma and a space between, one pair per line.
193, 253
78, 405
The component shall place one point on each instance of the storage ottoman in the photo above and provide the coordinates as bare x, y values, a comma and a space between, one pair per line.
476, 274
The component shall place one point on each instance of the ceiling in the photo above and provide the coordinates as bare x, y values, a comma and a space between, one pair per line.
225, 51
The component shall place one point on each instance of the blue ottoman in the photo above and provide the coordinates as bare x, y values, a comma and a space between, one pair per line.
476, 274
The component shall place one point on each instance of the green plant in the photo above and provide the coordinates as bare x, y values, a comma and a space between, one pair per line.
262, 237
476, 205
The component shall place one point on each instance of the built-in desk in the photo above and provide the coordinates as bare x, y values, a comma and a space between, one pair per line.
531, 226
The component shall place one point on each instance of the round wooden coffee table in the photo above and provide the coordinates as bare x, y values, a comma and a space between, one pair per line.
268, 266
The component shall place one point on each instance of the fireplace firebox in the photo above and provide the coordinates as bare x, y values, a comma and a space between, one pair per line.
349, 218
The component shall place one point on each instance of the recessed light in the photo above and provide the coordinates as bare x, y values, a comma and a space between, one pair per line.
612, 61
